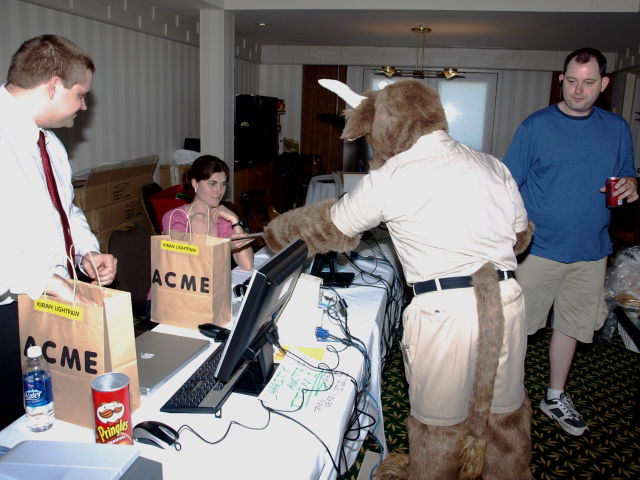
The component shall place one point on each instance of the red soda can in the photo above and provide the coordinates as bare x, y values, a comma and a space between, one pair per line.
111, 405
612, 200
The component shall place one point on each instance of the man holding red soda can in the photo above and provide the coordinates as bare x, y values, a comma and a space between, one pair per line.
561, 157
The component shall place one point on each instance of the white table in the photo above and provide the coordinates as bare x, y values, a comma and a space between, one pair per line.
275, 447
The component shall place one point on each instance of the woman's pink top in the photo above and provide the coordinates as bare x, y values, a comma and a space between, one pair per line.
180, 223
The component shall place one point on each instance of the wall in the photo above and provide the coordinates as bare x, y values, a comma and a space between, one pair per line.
519, 94
246, 77
285, 81
145, 94
629, 58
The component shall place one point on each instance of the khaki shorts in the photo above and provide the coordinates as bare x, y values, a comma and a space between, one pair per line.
439, 347
575, 290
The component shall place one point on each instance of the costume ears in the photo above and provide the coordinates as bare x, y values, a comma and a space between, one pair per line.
343, 91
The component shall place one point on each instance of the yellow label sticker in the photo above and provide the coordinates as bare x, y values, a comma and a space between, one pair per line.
314, 352
60, 309
180, 247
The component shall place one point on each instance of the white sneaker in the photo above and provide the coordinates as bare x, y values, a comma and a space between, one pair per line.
562, 411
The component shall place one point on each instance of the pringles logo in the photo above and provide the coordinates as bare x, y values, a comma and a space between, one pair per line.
110, 414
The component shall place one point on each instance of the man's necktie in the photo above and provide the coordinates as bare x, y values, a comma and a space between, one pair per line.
55, 198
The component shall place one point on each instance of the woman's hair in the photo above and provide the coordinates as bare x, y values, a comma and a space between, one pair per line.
41, 58
202, 169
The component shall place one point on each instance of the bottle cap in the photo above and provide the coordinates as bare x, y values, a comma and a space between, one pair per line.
34, 352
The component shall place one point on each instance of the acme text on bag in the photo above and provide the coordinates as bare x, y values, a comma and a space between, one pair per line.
187, 282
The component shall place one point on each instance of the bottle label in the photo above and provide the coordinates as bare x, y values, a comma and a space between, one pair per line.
37, 389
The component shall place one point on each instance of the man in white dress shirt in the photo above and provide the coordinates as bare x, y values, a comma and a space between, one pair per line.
48, 80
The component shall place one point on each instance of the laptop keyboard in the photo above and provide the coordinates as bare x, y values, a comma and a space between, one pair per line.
200, 392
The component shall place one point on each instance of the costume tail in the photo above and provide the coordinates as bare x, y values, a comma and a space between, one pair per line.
473, 445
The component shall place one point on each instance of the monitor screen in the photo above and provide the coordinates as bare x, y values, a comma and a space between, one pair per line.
269, 290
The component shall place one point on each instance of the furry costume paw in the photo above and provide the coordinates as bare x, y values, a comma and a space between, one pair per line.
312, 224
394, 467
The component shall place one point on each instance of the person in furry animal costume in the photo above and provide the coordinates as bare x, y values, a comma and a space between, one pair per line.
457, 221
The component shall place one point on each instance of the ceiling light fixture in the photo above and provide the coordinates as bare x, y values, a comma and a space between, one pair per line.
419, 71
262, 24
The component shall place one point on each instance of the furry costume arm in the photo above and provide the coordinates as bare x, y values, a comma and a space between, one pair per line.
312, 224
523, 239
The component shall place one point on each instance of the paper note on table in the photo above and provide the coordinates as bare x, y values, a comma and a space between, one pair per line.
315, 353
296, 385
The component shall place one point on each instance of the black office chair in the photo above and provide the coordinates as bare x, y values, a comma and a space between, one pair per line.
132, 248
258, 210
148, 191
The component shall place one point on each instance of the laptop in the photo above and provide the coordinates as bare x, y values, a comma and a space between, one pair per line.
161, 355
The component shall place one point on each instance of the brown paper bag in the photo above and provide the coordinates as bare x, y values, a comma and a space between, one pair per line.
80, 342
190, 279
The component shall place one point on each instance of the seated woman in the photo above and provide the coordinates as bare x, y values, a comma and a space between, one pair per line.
206, 182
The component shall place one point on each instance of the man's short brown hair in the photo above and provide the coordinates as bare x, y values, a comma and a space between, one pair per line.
41, 58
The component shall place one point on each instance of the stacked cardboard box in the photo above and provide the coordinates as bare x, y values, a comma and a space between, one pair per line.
171, 175
111, 195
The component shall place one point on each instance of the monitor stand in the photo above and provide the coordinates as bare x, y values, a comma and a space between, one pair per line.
332, 278
257, 374
260, 358
253, 374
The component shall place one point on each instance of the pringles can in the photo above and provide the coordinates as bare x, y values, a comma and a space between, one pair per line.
610, 186
112, 411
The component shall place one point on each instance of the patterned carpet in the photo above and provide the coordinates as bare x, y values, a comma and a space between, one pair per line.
603, 384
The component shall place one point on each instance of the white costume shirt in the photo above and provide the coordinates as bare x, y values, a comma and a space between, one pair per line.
449, 208
32, 244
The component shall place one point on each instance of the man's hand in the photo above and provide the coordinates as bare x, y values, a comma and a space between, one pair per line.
104, 269
626, 188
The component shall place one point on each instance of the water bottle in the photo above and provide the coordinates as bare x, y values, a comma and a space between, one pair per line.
38, 392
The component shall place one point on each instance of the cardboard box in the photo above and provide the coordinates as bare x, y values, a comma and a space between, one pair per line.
114, 183
170, 175
104, 218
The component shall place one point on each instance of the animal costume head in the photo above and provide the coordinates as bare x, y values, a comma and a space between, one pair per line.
391, 119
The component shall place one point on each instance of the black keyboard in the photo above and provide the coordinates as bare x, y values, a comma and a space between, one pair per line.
201, 392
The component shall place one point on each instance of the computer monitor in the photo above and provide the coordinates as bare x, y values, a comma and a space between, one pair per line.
254, 331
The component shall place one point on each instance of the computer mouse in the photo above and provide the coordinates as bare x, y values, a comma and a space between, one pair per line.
239, 290
210, 330
156, 433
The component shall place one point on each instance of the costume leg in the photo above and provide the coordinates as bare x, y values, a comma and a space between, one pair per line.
433, 451
433, 454
508, 452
